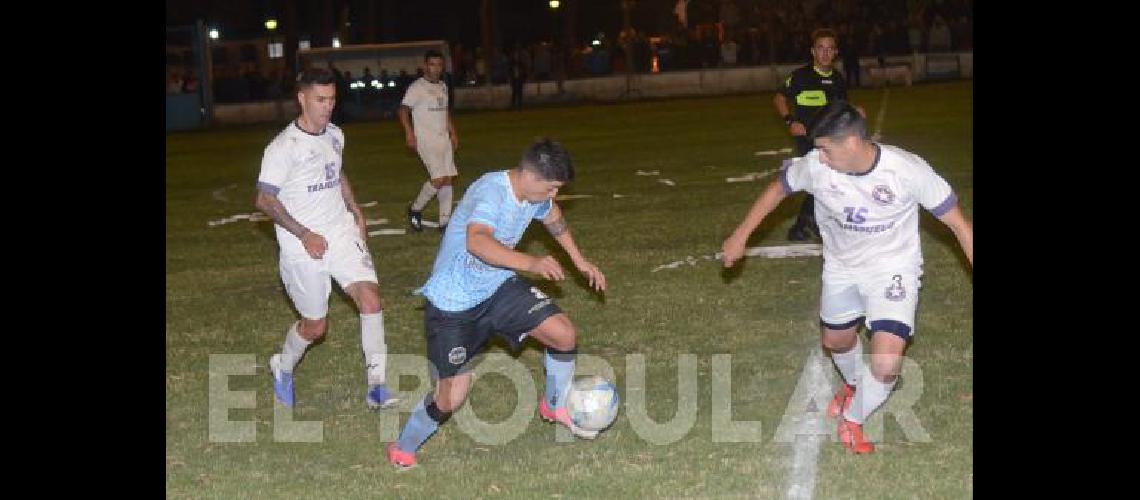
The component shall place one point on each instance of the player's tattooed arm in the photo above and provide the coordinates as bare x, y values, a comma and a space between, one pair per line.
272, 207
556, 226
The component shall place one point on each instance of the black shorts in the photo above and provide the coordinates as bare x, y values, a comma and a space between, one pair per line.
453, 338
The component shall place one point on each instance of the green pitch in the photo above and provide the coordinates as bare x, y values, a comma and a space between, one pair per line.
225, 308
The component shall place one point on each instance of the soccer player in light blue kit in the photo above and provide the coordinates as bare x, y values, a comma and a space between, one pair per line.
474, 291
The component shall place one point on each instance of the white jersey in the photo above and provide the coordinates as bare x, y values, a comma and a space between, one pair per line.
428, 102
303, 171
870, 221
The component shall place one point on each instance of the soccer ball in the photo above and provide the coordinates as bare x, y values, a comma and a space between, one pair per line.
593, 403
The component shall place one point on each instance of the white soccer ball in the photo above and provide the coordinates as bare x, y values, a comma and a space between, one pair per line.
593, 403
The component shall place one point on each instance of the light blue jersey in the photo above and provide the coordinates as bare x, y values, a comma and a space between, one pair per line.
459, 280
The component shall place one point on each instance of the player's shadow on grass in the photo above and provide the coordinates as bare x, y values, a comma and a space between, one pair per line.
934, 228
730, 274
538, 235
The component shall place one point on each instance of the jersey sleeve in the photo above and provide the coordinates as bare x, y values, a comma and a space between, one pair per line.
411, 96
795, 175
487, 202
788, 88
932, 191
544, 210
274, 169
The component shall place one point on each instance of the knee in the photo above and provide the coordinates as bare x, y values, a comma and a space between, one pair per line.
438, 183
839, 342
885, 367
564, 338
312, 329
369, 302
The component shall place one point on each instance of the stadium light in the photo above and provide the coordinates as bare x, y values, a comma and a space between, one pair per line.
554, 4
336, 42
214, 34
271, 24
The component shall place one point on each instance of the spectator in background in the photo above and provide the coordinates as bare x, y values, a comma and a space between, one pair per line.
341, 94
849, 52
189, 83
729, 19
914, 34
517, 76
939, 35
962, 35
681, 12
542, 62
728, 51
174, 83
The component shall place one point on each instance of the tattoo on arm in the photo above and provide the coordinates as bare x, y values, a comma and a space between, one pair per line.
276, 211
556, 227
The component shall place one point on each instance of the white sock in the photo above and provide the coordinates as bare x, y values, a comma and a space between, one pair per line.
426, 192
444, 204
850, 363
870, 396
293, 348
375, 350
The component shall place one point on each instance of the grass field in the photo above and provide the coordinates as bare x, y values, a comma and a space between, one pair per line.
224, 297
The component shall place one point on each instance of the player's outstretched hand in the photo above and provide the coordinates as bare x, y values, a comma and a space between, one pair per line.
315, 244
592, 273
548, 268
733, 249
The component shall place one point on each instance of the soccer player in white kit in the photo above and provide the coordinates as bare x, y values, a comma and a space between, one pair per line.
431, 133
321, 234
866, 203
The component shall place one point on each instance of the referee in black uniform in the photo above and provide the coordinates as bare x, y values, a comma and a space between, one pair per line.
806, 91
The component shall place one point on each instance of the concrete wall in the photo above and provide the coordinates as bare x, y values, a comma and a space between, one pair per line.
615, 88
256, 112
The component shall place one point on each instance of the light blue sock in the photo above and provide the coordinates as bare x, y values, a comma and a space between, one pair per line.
419, 428
559, 373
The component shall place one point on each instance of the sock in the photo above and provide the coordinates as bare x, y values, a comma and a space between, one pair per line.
871, 395
559, 373
421, 425
850, 363
425, 195
372, 341
444, 204
293, 348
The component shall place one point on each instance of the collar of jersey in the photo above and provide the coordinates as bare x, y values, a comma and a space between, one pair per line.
874, 164
298, 125
820, 73
511, 190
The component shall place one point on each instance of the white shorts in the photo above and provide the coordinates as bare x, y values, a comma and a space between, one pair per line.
438, 157
885, 300
307, 279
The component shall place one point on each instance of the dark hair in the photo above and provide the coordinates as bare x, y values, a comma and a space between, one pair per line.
823, 33
549, 160
432, 53
314, 76
839, 120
